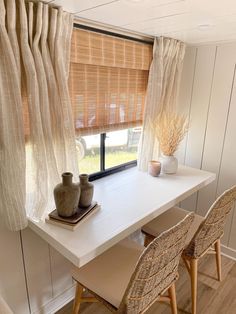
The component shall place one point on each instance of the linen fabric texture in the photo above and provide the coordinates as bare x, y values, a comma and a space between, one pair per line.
36, 124
162, 92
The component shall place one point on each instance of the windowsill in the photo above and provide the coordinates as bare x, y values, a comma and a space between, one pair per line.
112, 170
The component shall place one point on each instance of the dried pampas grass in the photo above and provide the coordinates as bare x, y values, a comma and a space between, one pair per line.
170, 128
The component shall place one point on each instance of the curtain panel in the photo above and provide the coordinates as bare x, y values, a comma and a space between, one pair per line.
37, 131
113, 74
12, 147
162, 92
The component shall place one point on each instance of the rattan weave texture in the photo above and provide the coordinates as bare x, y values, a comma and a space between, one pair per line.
212, 228
156, 270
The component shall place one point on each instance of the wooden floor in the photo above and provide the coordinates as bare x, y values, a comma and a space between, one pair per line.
213, 297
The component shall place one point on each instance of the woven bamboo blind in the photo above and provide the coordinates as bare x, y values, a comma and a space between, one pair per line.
108, 80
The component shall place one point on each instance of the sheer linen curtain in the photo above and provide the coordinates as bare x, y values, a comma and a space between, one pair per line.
12, 146
46, 136
162, 92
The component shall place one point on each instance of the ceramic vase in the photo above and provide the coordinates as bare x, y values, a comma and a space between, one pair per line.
169, 164
86, 188
66, 196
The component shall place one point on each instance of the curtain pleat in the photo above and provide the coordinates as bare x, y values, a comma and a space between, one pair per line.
61, 67
56, 114
36, 153
11, 28
12, 146
162, 92
37, 143
57, 140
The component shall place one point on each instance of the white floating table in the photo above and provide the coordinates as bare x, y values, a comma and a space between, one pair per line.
128, 199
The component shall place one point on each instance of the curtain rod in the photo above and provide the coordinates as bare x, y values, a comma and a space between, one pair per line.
112, 30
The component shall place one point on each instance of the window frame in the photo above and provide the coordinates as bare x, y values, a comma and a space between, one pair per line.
105, 32
103, 171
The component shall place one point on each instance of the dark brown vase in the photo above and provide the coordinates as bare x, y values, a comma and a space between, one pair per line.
66, 196
86, 188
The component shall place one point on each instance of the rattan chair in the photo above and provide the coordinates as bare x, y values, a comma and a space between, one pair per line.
203, 237
129, 278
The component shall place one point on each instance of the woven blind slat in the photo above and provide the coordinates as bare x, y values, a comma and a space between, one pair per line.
99, 49
107, 82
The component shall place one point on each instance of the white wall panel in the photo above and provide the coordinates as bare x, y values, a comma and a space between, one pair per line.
48, 273
217, 120
12, 280
210, 144
202, 84
38, 273
227, 175
61, 272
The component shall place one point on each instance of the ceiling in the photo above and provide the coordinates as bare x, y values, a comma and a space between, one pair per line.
193, 21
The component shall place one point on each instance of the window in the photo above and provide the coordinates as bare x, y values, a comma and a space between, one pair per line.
108, 81
108, 152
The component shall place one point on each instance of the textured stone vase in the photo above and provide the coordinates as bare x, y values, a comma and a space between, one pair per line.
66, 196
169, 164
86, 189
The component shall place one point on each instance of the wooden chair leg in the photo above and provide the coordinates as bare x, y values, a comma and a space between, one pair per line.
172, 296
186, 263
218, 259
193, 274
78, 298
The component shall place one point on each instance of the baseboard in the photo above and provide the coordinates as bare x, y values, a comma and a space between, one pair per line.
228, 252
58, 302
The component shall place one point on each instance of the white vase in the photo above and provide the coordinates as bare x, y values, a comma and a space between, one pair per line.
169, 164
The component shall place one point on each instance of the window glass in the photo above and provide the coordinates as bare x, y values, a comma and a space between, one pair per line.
121, 146
88, 151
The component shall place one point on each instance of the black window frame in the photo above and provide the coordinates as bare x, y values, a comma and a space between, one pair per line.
105, 172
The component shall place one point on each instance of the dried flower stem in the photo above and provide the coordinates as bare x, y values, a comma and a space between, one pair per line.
170, 128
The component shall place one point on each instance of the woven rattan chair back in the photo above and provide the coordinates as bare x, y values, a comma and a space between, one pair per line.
156, 269
212, 228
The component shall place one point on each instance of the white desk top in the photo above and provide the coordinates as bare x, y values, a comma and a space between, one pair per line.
128, 199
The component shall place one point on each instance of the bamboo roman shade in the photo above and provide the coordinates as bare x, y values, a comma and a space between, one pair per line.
108, 81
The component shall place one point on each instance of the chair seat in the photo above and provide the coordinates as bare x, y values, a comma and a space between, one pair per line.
108, 274
170, 218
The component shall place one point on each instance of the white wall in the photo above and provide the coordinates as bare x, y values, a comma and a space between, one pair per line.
208, 97
12, 279
34, 278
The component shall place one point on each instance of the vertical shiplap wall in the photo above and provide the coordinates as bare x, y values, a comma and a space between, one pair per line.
34, 278
48, 273
12, 278
208, 97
